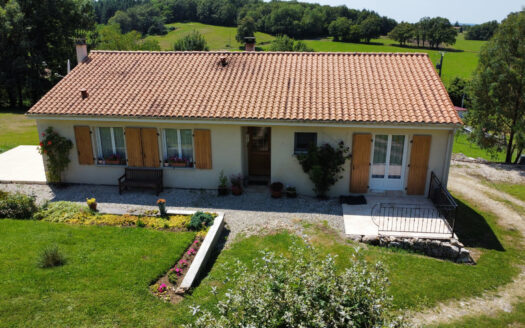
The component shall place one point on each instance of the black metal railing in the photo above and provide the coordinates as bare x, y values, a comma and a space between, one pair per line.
410, 218
443, 201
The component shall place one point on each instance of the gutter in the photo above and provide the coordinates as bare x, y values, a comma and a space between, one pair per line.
448, 158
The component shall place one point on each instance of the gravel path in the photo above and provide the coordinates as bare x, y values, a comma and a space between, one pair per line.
502, 299
250, 213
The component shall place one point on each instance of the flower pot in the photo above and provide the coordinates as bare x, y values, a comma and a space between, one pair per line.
166, 164
178, 164
276, 189
112, 161
291, 194
101, 162
93, 207
162, 209
236, 190
223, 191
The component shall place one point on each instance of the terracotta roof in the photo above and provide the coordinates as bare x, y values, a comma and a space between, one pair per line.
341, 87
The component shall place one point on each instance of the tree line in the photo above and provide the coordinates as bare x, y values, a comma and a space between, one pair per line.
431, 32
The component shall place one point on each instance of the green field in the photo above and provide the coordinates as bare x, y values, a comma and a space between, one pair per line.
16, 129
470, 149
460, 61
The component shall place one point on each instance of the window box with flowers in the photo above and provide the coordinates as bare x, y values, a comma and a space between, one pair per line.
111, 146
178, 147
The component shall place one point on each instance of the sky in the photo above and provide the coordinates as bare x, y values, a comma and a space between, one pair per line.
463, 11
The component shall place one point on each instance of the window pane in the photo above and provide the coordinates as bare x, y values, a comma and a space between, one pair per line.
379, 160
396, 157
120, 144
105, 142
303, 141
172, 142
186, 144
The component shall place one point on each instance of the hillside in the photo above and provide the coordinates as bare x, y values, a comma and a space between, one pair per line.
461, 60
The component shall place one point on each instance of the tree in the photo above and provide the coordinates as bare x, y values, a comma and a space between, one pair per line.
498, 89
482, 32
402, 33
370, 28
441, 31
285, 43
191, 42
339, 29
108, 37
458, 92
246, 29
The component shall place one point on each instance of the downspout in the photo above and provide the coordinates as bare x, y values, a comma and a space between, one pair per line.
448, 157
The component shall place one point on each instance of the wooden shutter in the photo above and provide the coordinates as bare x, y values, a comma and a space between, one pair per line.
134, 147
150, 147
202, 142
361, 146
417, 175
84, 145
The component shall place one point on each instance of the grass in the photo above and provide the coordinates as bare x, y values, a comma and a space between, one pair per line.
15, 130
470, 149
460, 60
515, 318
417, 281
103, 283
515, 190
217, 37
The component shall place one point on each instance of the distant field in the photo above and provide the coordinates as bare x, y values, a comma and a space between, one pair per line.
467, 148
16, 129
460, 61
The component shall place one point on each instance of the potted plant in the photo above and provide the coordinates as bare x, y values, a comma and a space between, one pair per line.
291, 192
101, 161
223, 184
276, 189
114, 159
166, 163
91, 203
236, 181
177, 161
161, 203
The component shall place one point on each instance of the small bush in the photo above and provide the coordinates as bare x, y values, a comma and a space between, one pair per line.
200, 220
302, 290
17, 206
60, 212
140, 223
51, 257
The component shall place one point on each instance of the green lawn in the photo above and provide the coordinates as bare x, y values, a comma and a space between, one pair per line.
460, 60
417, 281
470, 149
103, 283
515, 190
16, 129
217, 37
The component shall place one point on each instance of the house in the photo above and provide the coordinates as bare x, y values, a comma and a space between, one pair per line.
194, 114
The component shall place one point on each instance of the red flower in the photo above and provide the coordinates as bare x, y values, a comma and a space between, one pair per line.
43, 134
41, 143
45, 151
49, 143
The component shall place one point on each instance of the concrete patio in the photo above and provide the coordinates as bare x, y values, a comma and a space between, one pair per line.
400, 216
22, 164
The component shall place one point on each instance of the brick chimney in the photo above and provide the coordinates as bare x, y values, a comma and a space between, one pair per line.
249, 43
81, 50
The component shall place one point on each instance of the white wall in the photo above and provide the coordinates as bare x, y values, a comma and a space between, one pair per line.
228, 154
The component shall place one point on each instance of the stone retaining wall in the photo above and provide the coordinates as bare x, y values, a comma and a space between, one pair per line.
448, 249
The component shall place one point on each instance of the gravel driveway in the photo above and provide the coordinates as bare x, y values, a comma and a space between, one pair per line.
249, 213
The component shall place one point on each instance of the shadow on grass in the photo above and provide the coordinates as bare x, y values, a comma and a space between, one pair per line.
213, 257
473, 230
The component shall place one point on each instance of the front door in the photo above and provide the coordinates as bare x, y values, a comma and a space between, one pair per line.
259, 141
388, 162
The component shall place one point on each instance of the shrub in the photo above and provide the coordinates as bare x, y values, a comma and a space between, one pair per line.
51, 257
17, 206
303, 290
200, 220
61, 212
323, 165
140, 223
56, 148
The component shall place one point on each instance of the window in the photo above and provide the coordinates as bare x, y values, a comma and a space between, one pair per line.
178, 147
303, 142
111, 146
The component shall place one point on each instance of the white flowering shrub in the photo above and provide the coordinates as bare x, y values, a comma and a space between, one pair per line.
303, 289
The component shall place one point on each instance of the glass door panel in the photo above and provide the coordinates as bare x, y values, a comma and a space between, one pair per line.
379, 158
395, 164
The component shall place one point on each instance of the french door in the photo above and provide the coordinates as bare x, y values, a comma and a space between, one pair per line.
388, 162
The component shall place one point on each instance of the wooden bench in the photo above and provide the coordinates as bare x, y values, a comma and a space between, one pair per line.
141, 178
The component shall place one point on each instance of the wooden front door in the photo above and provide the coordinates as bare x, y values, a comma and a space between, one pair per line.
361, 145
259, 149
417, 174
